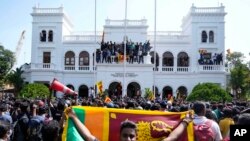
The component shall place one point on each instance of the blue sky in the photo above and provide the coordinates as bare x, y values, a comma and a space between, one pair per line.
15, 17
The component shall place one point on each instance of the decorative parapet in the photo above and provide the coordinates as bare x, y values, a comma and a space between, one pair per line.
169, 36
47, 10
81, 38
204, 11
51, 11
142, 22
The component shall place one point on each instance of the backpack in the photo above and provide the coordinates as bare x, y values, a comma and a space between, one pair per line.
35, 130
18, 133
204, 132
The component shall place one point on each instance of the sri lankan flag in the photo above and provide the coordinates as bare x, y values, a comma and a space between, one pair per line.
104, 124
99, 87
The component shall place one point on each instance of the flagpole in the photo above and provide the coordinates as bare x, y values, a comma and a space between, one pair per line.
94, 57
124, 52
154, 50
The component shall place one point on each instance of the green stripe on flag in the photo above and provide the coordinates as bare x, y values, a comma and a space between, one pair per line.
72, 133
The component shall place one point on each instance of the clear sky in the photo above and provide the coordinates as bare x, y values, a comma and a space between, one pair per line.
15, 17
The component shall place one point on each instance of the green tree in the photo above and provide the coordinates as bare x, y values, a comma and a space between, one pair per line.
239, 80
235, 58
15, 78
208, 92
7, 60
34, 90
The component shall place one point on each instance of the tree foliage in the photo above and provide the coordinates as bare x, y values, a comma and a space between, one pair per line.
15, 78
35, 90
7, 60
209, 92
235, 58
239, 75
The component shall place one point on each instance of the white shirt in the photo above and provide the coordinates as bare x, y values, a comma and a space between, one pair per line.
215, 127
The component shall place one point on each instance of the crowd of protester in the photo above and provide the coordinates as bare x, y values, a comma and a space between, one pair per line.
216, 59
110, 52
18, 117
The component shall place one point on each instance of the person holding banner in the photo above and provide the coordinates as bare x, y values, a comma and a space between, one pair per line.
128, 129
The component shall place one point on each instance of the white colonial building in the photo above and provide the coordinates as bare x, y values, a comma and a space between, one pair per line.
184, 58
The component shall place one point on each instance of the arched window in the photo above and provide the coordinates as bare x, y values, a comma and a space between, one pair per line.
168, 59
84, 58
50, 37
183, 59
211, 36
43, 36
204, 37
70, 58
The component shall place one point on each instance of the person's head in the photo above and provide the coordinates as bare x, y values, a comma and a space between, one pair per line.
50, 131
128, 131
4, 130
227, 113
199, 108
244, 119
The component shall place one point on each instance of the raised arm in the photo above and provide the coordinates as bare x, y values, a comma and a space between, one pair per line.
82, 129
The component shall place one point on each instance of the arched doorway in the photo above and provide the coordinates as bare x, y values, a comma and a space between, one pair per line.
83, 91
115, 88
167, 91
181, 92
71, 87
67, 95
133, 88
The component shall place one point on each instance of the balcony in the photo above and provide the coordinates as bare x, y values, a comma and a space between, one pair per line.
211, 68
44, 66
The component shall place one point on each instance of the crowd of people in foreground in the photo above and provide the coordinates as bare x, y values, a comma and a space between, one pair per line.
37, 120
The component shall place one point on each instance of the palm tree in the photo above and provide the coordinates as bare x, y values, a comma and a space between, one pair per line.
15, 78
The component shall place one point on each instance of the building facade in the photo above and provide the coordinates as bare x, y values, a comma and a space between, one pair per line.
79, 60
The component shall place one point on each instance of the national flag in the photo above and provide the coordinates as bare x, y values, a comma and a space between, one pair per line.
120, 58
99, 87
104, 124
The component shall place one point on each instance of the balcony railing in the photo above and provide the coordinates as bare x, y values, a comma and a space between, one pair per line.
69, 67
168, 69
83, 68
183, 69
210, 68
42, 66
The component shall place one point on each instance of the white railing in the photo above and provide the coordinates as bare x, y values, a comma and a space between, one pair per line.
168, 69
211, 68
42, 66
169, 33
83, 68
182, 69
48, 10
85, 33
128, 22
169, 38
208, 10
81, 38
69, 67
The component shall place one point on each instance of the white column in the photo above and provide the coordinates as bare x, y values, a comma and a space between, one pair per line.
76, 62
160, 63
175, 64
